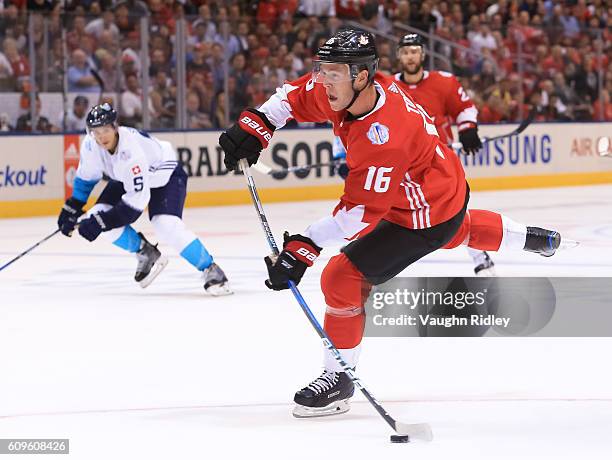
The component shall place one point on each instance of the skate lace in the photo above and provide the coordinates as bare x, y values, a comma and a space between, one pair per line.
325, 382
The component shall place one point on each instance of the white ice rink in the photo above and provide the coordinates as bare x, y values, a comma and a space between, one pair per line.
170, 373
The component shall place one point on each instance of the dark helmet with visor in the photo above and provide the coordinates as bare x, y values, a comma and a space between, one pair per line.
101, 115
412, 40
354, 47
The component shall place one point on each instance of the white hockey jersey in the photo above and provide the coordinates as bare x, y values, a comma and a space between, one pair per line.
141, 162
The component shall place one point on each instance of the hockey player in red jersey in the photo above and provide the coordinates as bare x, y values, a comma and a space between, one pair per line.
439, 93
405, 197
445, 100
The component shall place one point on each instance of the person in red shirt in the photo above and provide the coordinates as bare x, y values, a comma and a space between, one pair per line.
445, 100
405, 197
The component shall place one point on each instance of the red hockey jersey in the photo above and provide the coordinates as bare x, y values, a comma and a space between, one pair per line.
400, 171
444, 99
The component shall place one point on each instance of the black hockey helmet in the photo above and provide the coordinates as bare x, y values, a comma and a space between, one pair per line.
101, 115
354, 47
412, 40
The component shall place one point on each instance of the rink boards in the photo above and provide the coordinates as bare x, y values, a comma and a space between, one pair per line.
36, 172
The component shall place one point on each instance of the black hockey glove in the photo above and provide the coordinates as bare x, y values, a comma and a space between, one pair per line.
118, 216
71, 211
246, 139
299, 253
469, 139
91, 227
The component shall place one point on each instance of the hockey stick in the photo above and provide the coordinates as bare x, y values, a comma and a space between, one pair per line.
265, 169
29, 249
519, 129
421, 431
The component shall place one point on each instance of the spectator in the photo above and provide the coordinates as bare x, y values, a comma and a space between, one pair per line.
75, 118
197, 63
19, 63
159, 63
130, 109
239, 73
80, 78
493, 110
107, 41
555, 62
571, 27
216, 66
100, 25
205, 27
5, 123
125, 22
24, 122
75, 34
202, 85
423, 18
196, 119
483, 38
7, 82
137, 8
163, 98
108, 70
199, 33
219, 112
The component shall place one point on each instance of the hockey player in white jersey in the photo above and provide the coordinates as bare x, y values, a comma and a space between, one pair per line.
143, 171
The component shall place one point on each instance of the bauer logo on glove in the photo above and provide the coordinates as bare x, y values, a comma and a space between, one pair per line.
246, 139
299, 253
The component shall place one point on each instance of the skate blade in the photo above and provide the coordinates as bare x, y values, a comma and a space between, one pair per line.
335, 408
157, 268
568, 244
218, 290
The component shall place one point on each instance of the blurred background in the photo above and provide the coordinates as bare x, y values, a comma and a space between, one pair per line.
178, 64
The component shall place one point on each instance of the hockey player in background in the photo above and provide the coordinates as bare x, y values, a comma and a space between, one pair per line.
446, 102
143, 171
405, 196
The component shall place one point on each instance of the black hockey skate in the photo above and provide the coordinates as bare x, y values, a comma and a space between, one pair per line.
542, 241
327, 395
215, 281
150, 263
486, 267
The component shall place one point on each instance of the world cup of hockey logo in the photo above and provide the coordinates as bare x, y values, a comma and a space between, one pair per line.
378, 134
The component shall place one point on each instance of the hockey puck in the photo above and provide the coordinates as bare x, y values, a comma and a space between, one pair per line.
398, 438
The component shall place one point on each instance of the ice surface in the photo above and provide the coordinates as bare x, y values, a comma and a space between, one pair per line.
171, 373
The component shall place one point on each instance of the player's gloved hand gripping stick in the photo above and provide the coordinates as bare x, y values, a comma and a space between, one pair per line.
421, 431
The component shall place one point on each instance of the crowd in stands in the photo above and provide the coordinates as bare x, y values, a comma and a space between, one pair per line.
514, 55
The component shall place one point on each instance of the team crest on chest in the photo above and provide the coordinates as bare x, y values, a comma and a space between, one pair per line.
378, 134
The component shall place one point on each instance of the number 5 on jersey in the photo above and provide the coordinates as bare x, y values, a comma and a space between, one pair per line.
138, 183
378, 177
